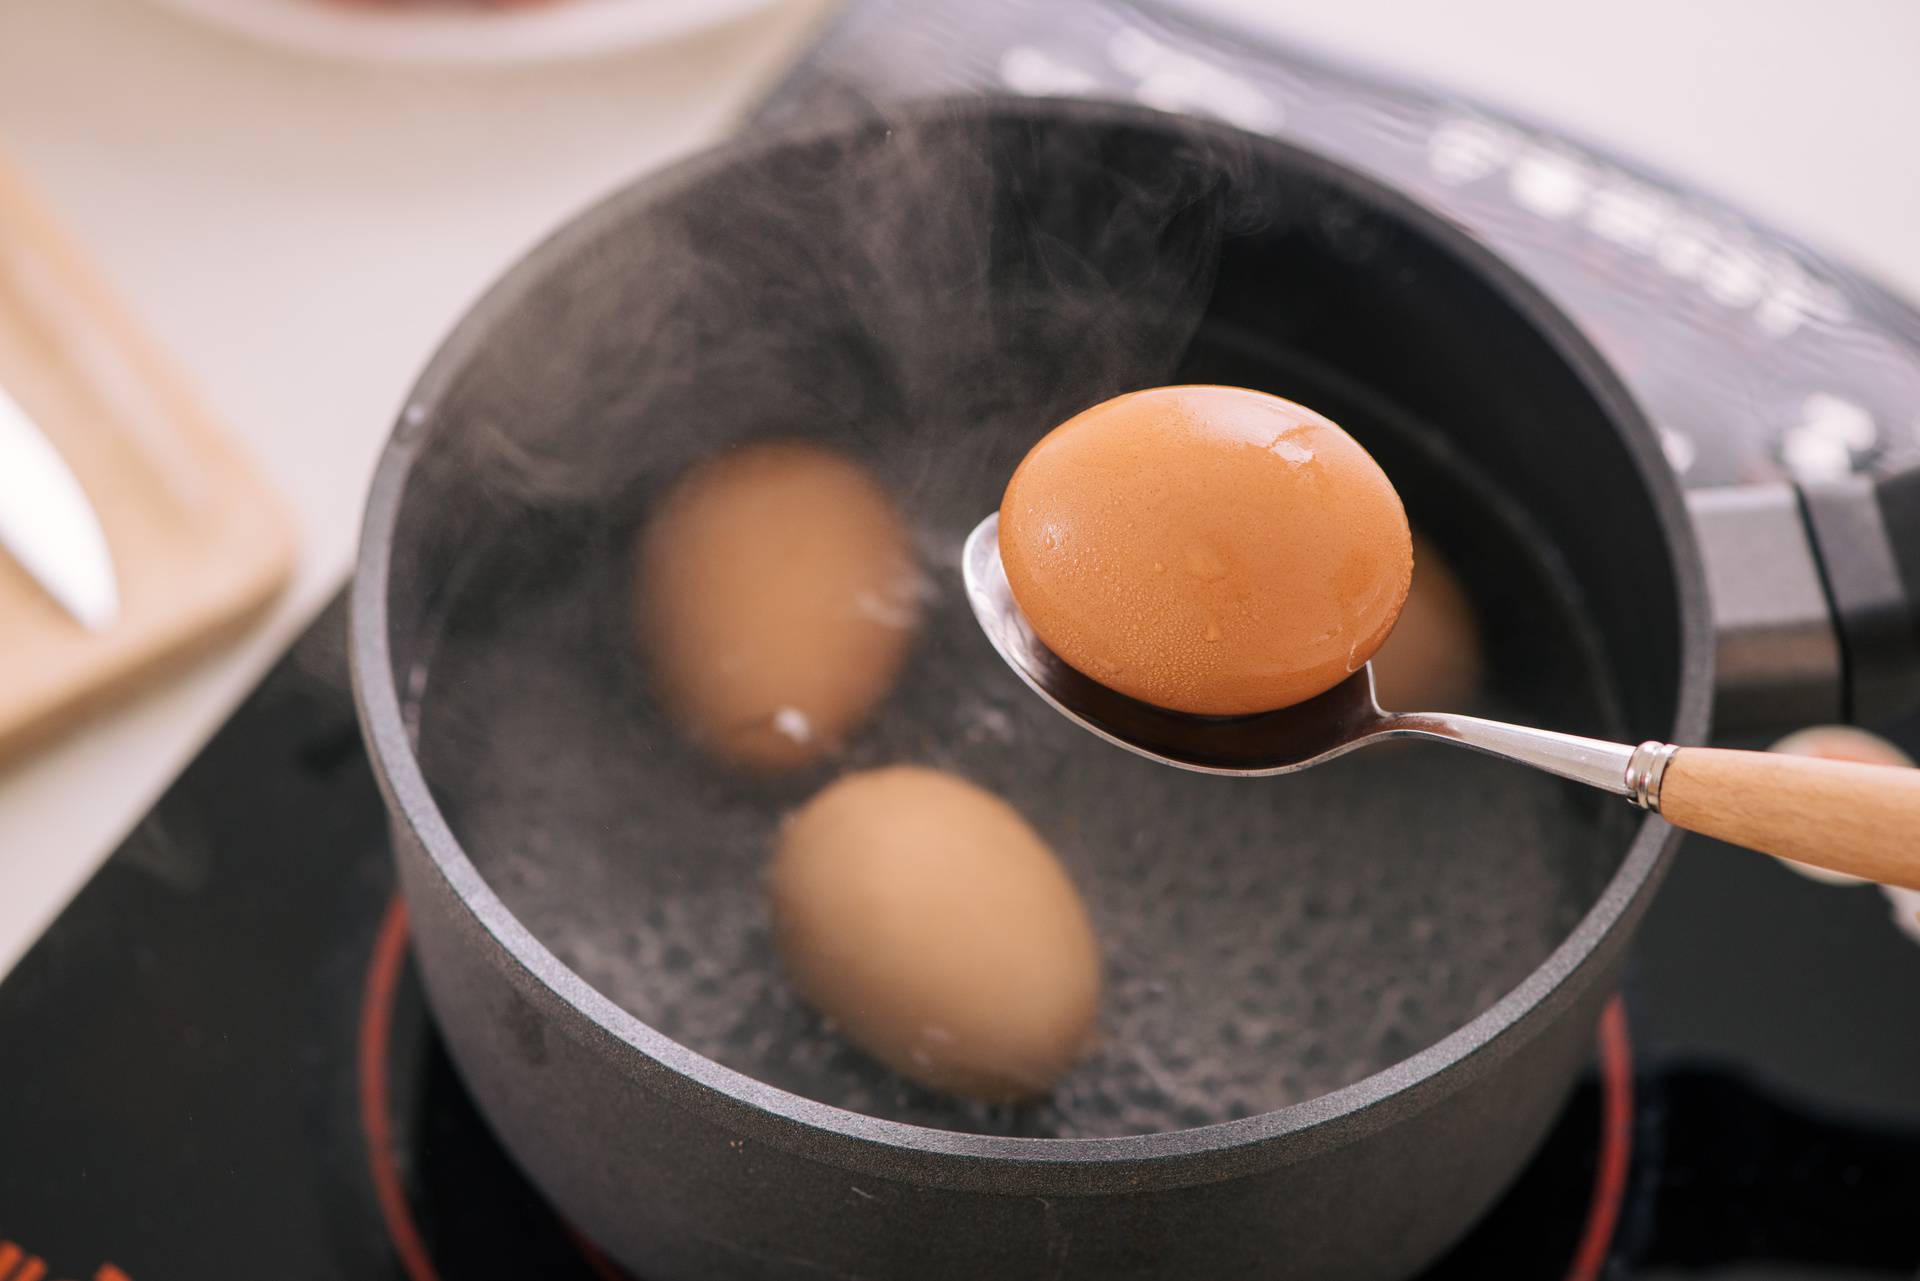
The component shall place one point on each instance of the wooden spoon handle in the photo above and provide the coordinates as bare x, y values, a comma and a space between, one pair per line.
1846, 817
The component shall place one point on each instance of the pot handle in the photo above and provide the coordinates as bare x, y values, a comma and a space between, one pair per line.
1867, 534
1816, 598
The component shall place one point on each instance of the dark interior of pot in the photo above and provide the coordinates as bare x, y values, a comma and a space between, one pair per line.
930, 295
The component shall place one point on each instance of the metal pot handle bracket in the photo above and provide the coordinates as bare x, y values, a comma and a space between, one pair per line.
1816, 600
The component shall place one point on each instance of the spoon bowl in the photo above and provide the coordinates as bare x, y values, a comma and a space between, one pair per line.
1278, 742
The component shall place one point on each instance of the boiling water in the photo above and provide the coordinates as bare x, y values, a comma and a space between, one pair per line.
1264, 941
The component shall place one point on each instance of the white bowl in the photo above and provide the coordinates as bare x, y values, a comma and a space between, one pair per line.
447, 34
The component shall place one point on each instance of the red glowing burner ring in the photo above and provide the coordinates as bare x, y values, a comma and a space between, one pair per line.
376, 1120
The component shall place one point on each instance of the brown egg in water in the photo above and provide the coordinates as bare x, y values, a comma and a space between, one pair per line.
1433, 660
1211, 550
934, 926
776, 600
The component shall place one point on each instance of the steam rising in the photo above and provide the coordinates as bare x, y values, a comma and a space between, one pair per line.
920, 274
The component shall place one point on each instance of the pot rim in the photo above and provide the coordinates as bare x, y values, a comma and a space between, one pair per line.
947, 1158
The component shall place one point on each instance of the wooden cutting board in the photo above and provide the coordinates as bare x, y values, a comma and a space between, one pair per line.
199, 544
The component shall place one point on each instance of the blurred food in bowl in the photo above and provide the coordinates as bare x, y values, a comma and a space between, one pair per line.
466, 32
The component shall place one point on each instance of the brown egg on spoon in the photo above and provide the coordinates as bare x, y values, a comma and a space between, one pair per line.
1210, 550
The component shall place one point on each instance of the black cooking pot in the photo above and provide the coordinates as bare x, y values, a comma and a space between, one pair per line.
935, 290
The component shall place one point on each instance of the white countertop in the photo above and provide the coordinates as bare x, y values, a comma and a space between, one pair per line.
301, 233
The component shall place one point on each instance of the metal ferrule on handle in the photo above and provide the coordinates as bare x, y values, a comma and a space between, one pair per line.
1646, 768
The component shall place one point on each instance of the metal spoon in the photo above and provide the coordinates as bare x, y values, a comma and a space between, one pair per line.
1860, 819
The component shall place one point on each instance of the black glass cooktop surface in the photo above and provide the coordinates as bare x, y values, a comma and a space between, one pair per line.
217, 1062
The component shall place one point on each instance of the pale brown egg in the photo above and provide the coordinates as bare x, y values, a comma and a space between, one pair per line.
777, 597
937, 930
1206, 549
1433, 661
